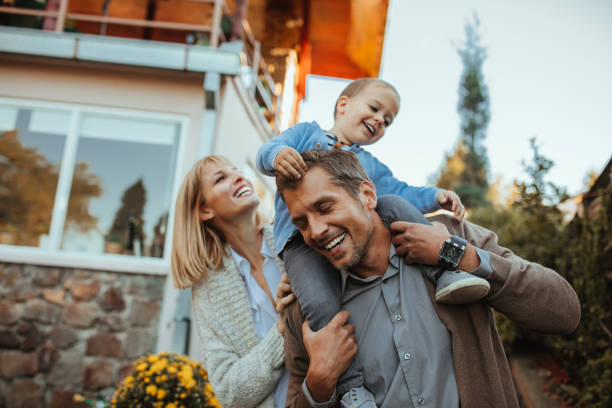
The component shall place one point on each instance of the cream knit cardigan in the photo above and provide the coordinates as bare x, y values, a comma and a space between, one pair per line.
242, 370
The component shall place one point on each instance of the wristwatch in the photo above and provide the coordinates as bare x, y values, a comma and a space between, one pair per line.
451, 252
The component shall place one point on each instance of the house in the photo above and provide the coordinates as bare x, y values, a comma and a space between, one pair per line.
104, 106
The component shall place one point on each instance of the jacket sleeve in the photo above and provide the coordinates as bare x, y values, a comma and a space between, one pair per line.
423, 198
239, 381
296, 357
535, 297
292, 137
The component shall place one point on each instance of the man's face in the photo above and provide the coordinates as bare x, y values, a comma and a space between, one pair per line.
332, 221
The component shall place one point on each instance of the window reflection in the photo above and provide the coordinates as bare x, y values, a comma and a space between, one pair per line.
31, 147
120, 169
133, 160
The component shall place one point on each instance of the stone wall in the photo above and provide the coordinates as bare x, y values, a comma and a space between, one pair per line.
66, 330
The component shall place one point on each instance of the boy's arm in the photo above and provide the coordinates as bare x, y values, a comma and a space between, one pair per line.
292, 137
423, 198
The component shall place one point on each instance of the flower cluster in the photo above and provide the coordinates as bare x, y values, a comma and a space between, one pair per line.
165, 380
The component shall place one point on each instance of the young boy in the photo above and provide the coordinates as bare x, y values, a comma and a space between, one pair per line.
364, 110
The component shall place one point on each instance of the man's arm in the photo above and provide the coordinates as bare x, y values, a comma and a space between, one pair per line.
528, 293
296, 358
315, 360
535, 297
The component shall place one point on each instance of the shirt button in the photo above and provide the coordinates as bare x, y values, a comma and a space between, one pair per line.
421, 401
407, 356
398, 317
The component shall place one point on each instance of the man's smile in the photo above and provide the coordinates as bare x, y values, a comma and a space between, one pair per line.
335, 242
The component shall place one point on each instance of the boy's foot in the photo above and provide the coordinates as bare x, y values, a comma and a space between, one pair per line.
457, 287
358, 397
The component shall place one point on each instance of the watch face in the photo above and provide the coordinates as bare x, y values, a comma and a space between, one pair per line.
450, 252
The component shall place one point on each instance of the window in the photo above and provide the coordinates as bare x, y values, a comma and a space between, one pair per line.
86, 180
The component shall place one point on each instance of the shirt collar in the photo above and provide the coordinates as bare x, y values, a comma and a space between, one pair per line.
241, 261
394, 263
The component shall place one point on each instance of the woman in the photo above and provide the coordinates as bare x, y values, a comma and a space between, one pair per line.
223, 249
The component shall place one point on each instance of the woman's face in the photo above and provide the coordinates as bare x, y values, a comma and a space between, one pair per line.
226, 192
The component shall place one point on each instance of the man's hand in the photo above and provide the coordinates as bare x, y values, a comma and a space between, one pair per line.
289, 163
331, 351
449, 200
418, 243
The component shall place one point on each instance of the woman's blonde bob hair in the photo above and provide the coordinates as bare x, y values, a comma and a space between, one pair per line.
197, 248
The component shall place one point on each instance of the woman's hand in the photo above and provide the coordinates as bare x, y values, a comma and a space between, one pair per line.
284, 296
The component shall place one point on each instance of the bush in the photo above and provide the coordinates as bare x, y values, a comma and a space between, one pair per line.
582, 253
166, 380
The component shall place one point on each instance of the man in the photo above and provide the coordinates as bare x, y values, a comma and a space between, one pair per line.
412, 350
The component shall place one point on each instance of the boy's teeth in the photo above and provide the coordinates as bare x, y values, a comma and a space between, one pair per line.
335, 241
370, 128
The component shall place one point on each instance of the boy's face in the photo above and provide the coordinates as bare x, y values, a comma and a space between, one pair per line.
364, 118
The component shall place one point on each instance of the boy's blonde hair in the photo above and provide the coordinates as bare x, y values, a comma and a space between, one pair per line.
357, 86
197, 247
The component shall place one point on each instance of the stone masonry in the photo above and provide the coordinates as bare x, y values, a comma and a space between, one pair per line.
65, 331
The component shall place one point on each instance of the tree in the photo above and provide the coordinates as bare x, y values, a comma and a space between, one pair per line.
127, 227
470, 180
27, 192
581, 251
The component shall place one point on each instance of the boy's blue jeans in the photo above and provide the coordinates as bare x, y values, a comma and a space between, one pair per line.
316, 283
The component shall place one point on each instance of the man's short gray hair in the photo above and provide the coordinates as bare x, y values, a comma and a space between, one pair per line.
343, 167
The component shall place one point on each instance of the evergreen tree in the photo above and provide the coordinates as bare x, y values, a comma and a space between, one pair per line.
128, 224
470, 179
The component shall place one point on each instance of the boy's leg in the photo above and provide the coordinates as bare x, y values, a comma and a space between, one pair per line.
393, 208
316, 284
314, 281
455, 287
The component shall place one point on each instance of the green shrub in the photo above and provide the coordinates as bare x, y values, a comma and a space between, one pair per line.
582, 253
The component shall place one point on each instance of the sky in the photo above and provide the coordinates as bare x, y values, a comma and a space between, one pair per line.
548, 71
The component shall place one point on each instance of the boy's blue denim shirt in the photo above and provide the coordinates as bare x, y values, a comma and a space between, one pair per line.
307, 136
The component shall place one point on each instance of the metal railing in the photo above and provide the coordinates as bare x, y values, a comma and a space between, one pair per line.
262, 87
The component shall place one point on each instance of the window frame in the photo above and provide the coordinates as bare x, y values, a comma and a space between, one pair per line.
54, 256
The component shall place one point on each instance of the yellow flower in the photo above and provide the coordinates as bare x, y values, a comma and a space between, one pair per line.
151, 389
183, 395
142, 366
161, 394
159, 365
152, 358
171, 405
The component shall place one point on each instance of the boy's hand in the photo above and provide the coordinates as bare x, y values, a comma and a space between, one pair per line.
289, 163
449, 200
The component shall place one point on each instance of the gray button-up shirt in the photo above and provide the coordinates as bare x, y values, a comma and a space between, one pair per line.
404, 349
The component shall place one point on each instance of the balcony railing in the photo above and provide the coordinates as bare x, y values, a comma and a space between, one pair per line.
187, 21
